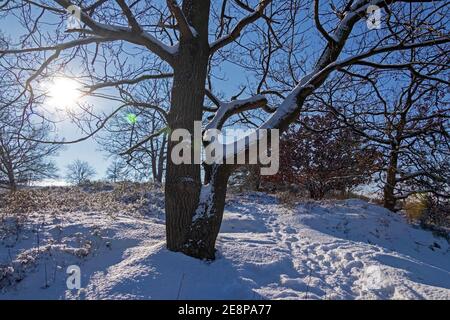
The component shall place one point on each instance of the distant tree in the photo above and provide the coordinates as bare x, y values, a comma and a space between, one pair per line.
320, 156
436, 212
408, 122
117, 171
135, 137
22, 158
79, 172
247, 177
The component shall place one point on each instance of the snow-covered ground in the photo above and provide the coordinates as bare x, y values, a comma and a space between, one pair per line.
317, 250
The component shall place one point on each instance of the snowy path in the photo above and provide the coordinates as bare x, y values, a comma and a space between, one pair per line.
332, 250
343, 250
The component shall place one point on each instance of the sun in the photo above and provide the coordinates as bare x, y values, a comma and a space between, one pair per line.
63, 93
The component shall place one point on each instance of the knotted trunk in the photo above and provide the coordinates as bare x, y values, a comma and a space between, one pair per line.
194, 214
183, 180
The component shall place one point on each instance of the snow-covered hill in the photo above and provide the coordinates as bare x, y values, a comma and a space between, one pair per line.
318, 250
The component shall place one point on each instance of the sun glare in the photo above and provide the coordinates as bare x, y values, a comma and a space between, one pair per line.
63, 93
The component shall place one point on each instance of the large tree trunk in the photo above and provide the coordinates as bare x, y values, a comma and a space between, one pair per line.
12, 183
12, 186
205, 224
183, 182
389, 199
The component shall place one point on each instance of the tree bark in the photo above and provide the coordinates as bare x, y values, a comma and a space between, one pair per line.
12, 183
389, 199
183, 184
161, 158
205, 225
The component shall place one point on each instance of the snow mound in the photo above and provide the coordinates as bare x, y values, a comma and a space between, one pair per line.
318, 250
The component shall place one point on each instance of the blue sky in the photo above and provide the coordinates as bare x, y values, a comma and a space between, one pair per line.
89, 150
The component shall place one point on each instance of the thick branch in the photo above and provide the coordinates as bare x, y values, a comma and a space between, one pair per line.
130, 17
319, 26
227, 109
186, 30
162, 50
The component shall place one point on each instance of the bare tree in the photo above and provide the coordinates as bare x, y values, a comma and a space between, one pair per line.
117, 171
22, 158
289, 50
79, 172
408, 122
136, 133
128, 140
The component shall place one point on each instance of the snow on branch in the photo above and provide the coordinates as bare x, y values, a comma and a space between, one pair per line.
411, 175
135, 34
227, 109
236, 32
185, 28
327, 63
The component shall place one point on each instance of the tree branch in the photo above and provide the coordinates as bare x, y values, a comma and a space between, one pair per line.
135, 27
319, 26
60, 47
227, 109
144, 141
186, 30
97, 86
159, 48
235, 33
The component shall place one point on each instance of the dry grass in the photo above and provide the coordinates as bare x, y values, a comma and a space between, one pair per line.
414, 208
291, 199
114, 199
25, 206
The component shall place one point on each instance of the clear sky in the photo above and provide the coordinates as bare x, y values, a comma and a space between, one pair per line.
89, 150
